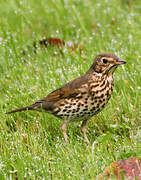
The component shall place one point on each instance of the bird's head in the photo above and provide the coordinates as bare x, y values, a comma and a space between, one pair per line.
106, 63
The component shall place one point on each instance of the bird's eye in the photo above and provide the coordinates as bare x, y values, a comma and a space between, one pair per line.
105, 61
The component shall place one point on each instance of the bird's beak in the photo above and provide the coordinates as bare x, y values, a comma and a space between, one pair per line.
120, 61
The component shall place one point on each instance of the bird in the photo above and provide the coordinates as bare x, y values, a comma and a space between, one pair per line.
83, 97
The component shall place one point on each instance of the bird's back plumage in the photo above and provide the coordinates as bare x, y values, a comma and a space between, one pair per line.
69, 90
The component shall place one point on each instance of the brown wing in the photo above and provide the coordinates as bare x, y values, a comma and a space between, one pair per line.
71, 89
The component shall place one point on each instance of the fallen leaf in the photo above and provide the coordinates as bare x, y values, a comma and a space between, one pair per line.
128, 168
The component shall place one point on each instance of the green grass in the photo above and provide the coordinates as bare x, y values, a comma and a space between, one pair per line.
31, 143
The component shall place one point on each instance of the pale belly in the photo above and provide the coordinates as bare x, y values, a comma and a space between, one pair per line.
77, 109
85, 106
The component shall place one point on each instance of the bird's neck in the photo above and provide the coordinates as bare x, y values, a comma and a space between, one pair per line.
110, 78
97, 76
100, 77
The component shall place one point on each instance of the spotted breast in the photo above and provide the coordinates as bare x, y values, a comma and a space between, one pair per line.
92, 99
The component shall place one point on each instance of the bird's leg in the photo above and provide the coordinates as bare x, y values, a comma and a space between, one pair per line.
64, 129
84, 130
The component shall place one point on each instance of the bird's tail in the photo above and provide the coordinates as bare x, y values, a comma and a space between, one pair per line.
31, 107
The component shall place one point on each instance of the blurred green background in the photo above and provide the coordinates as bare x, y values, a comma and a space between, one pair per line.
31, 143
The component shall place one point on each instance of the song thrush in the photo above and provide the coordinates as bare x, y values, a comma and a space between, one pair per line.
83, 97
